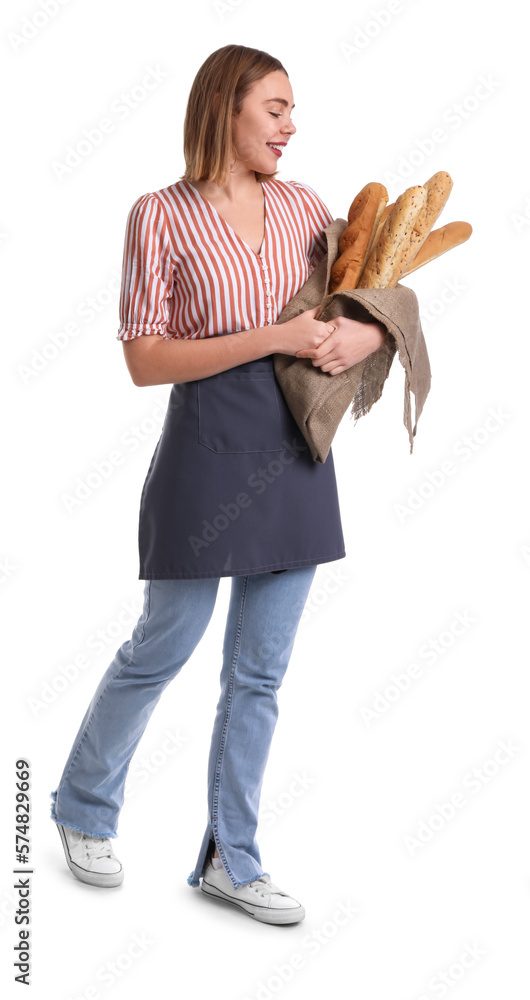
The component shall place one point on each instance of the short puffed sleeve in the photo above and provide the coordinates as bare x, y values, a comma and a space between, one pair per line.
147, 271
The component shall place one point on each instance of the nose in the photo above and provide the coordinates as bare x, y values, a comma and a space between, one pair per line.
290, 128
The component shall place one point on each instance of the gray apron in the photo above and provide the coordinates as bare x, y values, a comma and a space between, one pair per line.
232, 487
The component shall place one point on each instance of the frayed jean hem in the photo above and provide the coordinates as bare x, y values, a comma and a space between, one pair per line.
72, 826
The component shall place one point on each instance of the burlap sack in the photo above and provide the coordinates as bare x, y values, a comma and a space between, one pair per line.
319, 400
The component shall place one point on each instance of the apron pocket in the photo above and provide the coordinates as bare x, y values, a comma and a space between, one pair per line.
240, 413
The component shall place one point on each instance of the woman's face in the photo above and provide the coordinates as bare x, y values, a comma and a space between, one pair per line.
264, 120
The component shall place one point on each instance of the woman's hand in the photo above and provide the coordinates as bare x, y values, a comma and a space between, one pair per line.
351, 342
302, 333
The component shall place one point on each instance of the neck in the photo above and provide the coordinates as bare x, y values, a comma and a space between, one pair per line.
241, 186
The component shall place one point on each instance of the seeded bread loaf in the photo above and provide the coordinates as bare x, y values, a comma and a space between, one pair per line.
438, 189
384, 266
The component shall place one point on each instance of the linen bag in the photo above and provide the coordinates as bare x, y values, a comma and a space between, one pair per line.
318, 400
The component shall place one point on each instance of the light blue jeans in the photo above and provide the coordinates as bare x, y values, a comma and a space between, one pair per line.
263, 617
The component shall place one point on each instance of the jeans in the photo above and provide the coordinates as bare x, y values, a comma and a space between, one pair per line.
263, 617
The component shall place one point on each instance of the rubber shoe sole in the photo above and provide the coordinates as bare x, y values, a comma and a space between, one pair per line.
267, 914
104, 881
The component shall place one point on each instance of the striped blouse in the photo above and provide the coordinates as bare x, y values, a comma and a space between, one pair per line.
186, 272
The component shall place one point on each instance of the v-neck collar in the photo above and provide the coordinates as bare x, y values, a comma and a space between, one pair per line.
227, 225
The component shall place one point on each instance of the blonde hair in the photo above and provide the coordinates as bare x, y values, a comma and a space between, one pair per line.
217, 93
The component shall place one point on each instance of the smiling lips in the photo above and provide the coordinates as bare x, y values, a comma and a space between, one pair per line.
276, 147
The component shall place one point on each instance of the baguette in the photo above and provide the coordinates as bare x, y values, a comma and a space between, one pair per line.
438, 189
439, 241
356, 240
384, 216
383, 266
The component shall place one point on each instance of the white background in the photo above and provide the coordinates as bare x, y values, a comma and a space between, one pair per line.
339, 836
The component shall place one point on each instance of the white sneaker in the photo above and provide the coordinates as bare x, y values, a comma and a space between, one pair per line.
90, 859
260, 898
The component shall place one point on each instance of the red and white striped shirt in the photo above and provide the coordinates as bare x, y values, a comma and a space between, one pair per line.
186, 272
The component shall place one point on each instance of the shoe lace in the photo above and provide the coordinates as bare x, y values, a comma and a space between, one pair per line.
97, 847
263, 885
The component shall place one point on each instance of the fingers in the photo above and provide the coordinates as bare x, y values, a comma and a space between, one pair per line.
328, 331
313, 313
332, 368
327, 362
310, 352
331, 361
325, 349
330, 327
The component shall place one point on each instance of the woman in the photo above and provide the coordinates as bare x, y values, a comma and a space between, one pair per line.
209, 264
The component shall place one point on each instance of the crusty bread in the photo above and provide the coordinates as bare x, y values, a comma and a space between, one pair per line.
383, 266
355, 242
437, 243
438, 189
377, 232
